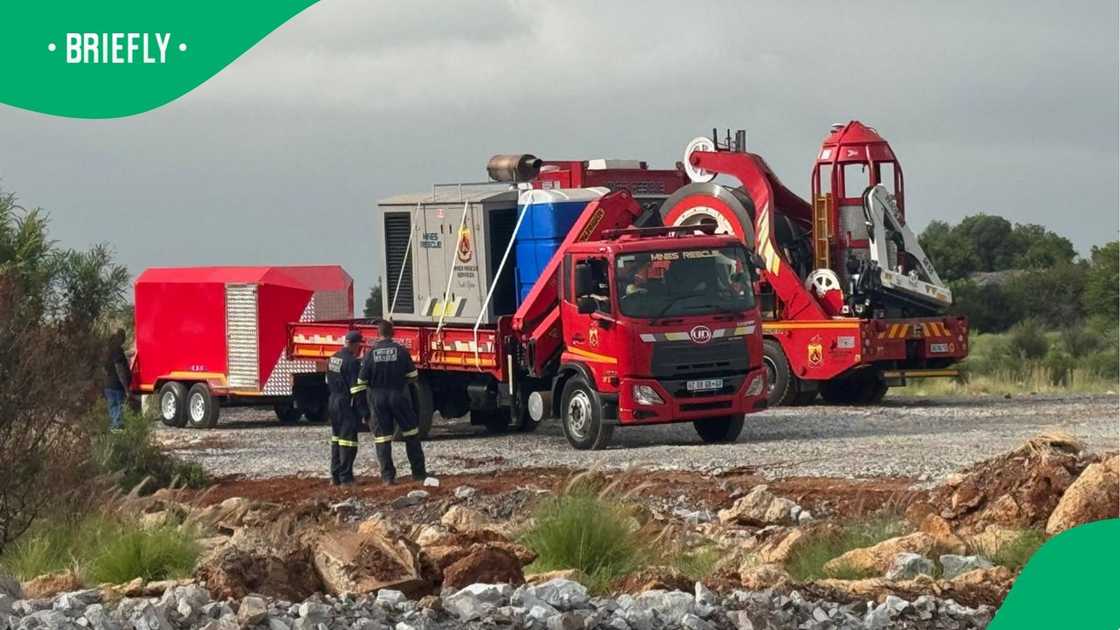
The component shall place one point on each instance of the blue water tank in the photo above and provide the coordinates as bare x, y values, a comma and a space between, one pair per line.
548, 215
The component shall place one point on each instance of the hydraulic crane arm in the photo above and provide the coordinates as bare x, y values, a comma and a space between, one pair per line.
882, 214
766, 192
537, 321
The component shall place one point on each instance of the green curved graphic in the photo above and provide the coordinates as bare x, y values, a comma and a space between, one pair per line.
1070, 582
110, 58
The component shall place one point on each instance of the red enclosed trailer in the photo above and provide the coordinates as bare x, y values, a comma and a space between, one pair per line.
208, 337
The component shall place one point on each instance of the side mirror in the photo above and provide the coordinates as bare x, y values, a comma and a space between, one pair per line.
586, 305
584, 282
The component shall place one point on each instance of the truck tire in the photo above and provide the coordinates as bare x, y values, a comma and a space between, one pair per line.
202, 407
781, 388
581, 413
287, 412
423, 403
173, 404
806, 393
865, 387
495, 420
719, 430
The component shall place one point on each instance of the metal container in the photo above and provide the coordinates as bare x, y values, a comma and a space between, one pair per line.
442, 252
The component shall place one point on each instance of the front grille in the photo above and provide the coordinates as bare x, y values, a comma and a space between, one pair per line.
678, 388
681, 359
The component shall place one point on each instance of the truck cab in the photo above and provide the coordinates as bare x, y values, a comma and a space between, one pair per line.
659, 325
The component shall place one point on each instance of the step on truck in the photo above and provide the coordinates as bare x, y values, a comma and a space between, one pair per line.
521, 304
851, 305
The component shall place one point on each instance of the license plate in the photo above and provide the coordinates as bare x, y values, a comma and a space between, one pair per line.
939, 347
704, 384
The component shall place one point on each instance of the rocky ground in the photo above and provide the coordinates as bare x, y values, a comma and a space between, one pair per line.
962, 480
924, 439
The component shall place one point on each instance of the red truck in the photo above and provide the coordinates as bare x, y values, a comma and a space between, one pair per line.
850, 302
623, 326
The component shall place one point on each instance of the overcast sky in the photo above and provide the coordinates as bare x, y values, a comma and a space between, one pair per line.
1007, 108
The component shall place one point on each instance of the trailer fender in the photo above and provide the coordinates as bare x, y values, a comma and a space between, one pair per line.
609, 401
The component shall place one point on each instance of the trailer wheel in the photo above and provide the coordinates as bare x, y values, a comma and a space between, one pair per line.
173, 404
581, 413
495, 420
287, 412
865, 387
202, 407
719, 430
781, 388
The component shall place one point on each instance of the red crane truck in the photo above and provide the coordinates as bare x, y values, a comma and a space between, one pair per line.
622, 326
850, 302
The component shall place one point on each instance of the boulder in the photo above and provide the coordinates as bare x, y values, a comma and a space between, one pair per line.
464, 520
943, 535
756, 577
760, 508
906, 566
1093, 496
51, 584
366, 561
953, 565
233, 572
559, 593
476, 600
877, 559
251, 611
484, 564
1017, 490
981, 586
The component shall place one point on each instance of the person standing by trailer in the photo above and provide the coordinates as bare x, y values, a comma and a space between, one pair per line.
387, 369
345, 402
118, 376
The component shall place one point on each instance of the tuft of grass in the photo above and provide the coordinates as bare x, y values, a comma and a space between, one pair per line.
807, 562
153, 554
585, 532
102, 548
698, 563
1014, 553
133, 455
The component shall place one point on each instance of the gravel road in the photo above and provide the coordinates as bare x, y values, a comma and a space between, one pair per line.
908, 437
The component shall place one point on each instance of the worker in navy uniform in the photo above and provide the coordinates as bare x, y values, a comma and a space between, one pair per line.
387, 369
346, 402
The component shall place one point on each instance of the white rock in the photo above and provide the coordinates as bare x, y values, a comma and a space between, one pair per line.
390, 598
465, 492
431, 482
418, 495
954, 565
559, 593
670, 606
251, 611
908, 565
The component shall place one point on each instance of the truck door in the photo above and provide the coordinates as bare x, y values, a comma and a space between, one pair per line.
587, 311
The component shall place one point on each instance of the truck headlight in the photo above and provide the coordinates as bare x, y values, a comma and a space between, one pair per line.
646, 395
757, 383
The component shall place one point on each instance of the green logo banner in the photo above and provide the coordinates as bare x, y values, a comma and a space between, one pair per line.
120, 57
1070, 582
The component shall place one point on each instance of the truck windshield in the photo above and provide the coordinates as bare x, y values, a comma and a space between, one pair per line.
684, 282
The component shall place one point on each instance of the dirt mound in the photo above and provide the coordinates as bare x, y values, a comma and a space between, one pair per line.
1019, 489
233, 573
484, 565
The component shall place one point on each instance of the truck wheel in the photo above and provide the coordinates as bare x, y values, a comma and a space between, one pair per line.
838, 391
719, 430
202, 407
581, 413
173, 404
806, 393
287, 412
423, 403
779, 379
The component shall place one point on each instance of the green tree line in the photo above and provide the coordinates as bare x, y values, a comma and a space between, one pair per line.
1003, 273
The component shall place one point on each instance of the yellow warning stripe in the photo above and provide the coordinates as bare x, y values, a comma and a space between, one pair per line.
601, 358
771, 326
382, 439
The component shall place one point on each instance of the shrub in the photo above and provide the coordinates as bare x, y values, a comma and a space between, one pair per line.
807, 562
102, 548
1014, 553
582, 531
1026, 340
697, 563
134, 456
